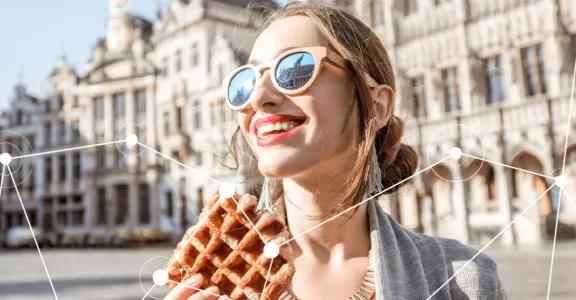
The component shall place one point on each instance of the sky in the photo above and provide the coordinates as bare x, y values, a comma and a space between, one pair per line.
36, 33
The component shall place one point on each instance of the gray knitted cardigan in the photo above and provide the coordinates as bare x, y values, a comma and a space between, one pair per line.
412, 266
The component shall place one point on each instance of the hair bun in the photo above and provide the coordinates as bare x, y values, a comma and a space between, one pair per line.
397, 161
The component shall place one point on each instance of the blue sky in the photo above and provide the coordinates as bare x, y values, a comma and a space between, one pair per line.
35, 33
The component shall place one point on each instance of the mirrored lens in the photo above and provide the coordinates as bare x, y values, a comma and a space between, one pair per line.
241, 87
295, 70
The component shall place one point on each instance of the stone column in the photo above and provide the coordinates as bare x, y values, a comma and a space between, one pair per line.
108, 128
503, 178
133, 202
461, 194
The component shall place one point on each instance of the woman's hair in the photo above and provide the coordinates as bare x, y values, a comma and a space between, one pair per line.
358, 44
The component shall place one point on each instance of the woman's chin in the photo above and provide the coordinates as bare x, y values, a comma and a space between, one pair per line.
274, 167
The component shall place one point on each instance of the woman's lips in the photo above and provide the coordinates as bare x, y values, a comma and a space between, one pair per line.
275, 138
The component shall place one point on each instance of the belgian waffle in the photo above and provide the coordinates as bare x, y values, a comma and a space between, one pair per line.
226, 249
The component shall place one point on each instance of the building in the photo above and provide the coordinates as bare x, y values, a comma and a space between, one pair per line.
159, 80
490, 77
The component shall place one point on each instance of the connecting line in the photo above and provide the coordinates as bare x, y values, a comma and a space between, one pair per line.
68, 149
148, 292
491, 241
32, 231
2, 179
266, 281
250, 221
362, 202
508, 166
201, 290
175, 161
568, 125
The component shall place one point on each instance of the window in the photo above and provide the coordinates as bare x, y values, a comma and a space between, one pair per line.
60, 99
141, 102
493, 71
77, 211
47, 133
122, 196
62, 167
166, 119
450, 89
18, 118
376, 12
165, 67
533, 70
61, 214
169, 206
101, 206
438, 2
99, 108
178, 118
417, 94
75, 128
194, 54
75, 101
119, 100
410, 7
48, 169
144, 205
178, 61
197, 115
62, 131
100, 157
77, 166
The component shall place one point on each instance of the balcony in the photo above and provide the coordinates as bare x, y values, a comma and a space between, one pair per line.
530, 119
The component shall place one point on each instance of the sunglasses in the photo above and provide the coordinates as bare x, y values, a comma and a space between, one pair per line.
293, 72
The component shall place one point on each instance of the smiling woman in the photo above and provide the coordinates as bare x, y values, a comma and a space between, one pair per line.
315, 107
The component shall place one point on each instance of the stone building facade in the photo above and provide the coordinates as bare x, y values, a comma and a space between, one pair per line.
490, 77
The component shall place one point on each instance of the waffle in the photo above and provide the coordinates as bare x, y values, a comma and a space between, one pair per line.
224, 247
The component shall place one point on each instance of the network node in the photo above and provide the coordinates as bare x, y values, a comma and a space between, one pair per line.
160, 277
5, 158
226, 190
271, 250
455, 153
560, 181
131, 140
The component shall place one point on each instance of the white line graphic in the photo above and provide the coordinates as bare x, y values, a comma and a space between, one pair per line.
491, 241
32, 231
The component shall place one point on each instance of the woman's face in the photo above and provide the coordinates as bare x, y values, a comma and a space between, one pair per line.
324, 137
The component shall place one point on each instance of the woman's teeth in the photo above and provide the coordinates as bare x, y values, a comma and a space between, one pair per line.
279, 126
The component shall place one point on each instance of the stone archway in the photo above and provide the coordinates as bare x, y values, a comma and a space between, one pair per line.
440, 190
526, 188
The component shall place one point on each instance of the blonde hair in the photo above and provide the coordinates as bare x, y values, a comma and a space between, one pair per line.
357, 43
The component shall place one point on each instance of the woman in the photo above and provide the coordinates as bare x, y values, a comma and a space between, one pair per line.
318, 118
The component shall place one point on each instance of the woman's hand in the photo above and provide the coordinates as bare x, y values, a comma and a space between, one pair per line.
189, 290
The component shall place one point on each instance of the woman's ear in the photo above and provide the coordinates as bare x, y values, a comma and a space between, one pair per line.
383, 97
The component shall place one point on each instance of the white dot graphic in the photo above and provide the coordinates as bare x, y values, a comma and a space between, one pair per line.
455, 153
560, 181
131, 140
226, 190
271, 250
5, 158
160, 277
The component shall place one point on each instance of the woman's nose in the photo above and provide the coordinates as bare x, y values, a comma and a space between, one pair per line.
265, 95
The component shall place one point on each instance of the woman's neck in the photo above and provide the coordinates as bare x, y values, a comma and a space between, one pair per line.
334, 241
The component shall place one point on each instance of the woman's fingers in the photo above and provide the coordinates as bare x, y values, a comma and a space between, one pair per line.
186, 288
211, 293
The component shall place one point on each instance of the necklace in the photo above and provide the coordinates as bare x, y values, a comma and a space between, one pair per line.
365, 292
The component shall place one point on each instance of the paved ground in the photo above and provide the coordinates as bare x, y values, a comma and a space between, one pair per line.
115, 273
